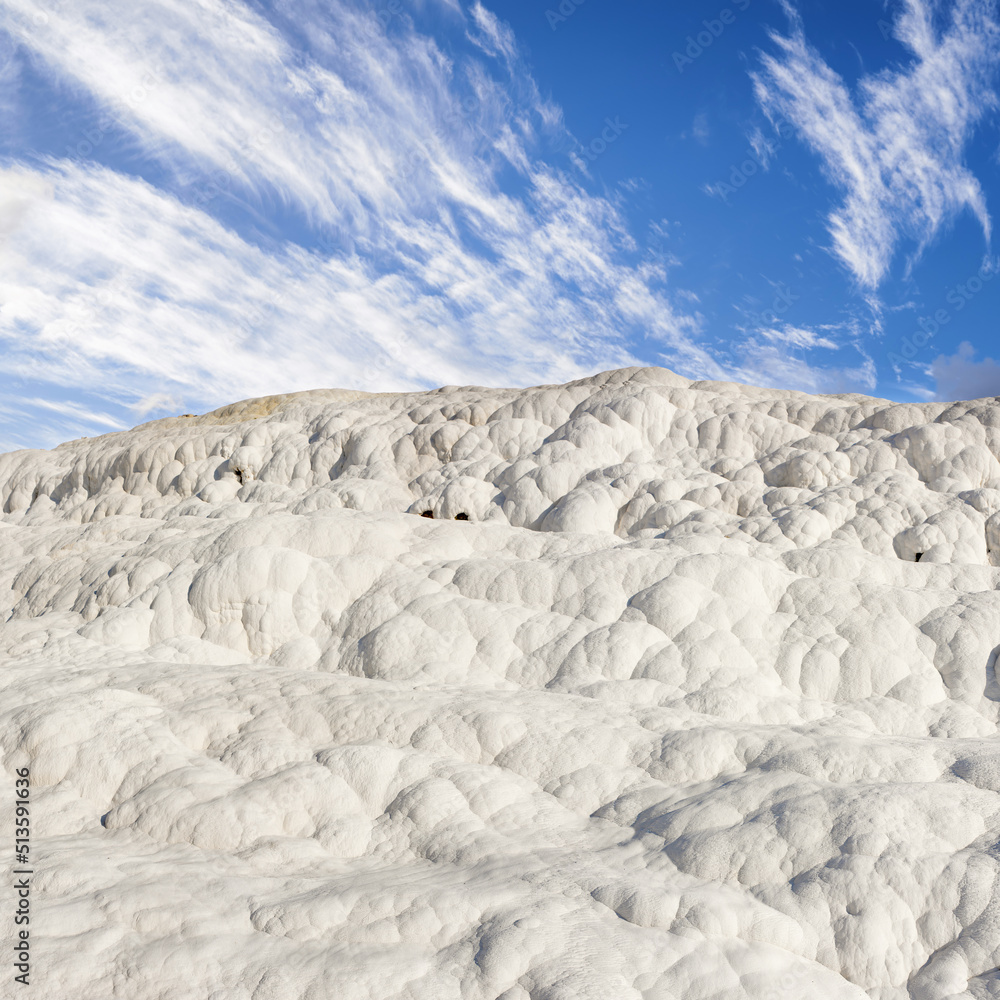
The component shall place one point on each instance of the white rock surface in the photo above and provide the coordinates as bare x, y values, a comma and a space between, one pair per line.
675, 715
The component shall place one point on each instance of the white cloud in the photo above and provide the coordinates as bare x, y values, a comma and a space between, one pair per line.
81, 414
778, 355
896, 148
433, 273
20, 189
762, 147
772, 365
700, 128
959, 376
369, 129
108, 281
36, 422
796, 336
493, 37
156, 402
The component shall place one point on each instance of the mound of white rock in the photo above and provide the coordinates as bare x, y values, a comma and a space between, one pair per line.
675, 691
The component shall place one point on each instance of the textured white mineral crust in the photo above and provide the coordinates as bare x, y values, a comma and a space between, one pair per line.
697, 704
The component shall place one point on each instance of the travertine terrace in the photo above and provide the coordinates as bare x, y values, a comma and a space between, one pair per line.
697, 702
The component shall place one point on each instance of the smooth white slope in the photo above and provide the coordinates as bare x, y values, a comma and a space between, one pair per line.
674, 714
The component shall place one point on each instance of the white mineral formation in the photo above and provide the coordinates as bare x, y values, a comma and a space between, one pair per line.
684, 691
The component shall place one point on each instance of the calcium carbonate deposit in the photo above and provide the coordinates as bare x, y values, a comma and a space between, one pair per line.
633, 688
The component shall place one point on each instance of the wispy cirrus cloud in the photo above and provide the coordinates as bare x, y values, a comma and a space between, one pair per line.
895, 146
776, 355
122, 285
410, 263
218, 86
796, 336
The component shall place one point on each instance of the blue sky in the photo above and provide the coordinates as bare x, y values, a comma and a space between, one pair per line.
205, 201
